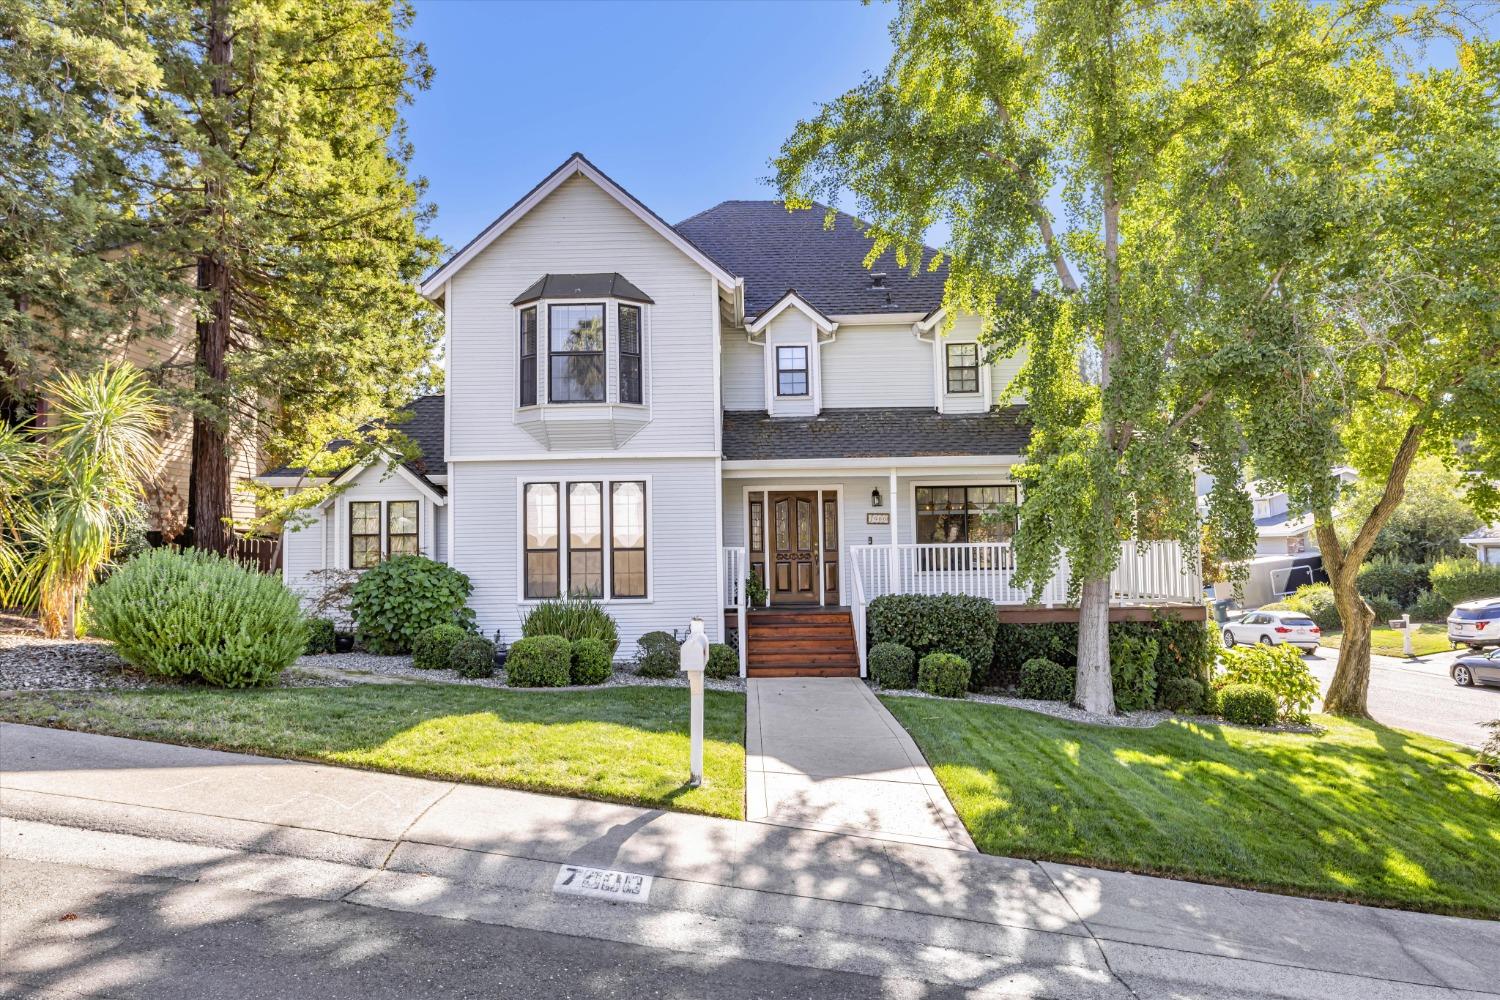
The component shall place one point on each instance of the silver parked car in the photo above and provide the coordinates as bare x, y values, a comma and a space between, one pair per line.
1475, 624
1272, 628
1476, 668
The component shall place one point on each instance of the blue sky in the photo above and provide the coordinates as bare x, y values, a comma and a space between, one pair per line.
682, 103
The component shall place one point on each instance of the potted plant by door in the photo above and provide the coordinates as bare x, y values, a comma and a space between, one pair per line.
756, 591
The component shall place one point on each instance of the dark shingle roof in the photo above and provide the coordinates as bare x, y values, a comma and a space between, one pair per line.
581, 286
424, 427
862, 433
774, 250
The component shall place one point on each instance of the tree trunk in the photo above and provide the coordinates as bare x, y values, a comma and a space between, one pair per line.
1095, 689
209, 509
1351, 679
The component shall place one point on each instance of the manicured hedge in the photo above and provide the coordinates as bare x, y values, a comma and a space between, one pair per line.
943, 674
1046, 680
723, 662
592, 661
1182, 694
539, 661
1247, 704
320, 636
473, 656
937, 623
432, 648
893, 665
658, 655
1460, 580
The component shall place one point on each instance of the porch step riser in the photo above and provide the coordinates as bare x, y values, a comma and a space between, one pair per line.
803, 671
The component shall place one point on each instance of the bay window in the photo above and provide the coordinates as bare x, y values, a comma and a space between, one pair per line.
576, 352
629, 334
528, 357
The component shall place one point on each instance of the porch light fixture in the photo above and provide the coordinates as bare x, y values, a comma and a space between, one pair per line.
875, 497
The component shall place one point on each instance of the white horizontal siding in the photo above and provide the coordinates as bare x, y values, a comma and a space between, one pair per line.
877, 366
792, 329
580, 229
682, 541
743, 371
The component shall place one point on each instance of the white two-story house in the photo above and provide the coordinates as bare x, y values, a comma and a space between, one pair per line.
650, 415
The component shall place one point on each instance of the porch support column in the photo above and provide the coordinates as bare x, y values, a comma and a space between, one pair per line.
818, 520
895, 556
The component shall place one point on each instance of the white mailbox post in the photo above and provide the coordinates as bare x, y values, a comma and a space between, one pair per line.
692, 658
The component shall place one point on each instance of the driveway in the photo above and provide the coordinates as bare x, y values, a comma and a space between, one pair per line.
1418, 695
822, 753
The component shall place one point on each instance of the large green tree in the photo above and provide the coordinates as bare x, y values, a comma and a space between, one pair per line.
1388, 351
1084, 156
268, 168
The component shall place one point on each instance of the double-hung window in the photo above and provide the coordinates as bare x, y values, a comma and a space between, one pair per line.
528, 356
963, 368
576, 352
629, 336
368, 544
584, 539
791, 371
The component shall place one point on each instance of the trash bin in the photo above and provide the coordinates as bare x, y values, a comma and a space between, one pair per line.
1221, 609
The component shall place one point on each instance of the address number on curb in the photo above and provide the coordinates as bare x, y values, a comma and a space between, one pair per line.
602, 883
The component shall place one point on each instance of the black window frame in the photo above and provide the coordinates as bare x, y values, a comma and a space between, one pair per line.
966, 372
415, 534
583, 550
629, 375
526, 370
918, 513
527, 550
602, 353
804, 371
615, 549
377, 534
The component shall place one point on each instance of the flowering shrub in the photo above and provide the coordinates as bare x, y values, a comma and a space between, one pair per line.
1278, 669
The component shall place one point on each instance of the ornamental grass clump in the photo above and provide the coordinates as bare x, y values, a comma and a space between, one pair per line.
196, 615
573, 618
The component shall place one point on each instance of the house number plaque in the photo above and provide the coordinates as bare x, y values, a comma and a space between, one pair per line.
877, 519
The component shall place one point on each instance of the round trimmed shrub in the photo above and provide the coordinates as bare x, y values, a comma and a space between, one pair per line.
723, 662
591, 662
1247, 704
539, 661
943, 674
1279, 670
395, 601
893, 665
320, 636
573, 618
1182, 694
473, 656
658, 655
937, 623
1047, 681
196, 614
432, 648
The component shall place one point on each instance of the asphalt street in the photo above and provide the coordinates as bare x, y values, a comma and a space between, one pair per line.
71, 931
1419, 695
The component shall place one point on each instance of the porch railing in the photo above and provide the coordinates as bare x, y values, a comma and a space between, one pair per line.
736, 570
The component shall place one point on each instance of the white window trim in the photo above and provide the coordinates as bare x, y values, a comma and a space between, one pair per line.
342, 519
968, 479
562, 540
611, 398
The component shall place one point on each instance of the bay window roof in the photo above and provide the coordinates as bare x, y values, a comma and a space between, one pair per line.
581, 286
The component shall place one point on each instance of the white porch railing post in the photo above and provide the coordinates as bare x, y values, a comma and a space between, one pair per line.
895, 581
736, 565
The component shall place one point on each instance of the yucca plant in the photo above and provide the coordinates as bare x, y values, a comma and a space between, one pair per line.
70, 491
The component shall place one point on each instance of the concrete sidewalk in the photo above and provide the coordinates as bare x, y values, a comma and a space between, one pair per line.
904, 912
822, 753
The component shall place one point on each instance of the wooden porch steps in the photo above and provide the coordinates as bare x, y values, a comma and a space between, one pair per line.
801, 642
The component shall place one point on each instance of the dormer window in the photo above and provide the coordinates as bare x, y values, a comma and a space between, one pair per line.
791, 371
577, 371
963, 368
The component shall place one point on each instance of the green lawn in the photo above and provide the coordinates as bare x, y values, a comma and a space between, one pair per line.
1425, 640
627, 744
1358, 812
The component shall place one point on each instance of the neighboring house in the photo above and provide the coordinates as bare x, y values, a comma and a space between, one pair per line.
1486, 544
649, 414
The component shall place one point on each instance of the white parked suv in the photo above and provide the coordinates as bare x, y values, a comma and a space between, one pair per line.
1272, 628
1475, 624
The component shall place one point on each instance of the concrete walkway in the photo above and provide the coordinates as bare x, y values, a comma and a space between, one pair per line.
926, 920
822, 753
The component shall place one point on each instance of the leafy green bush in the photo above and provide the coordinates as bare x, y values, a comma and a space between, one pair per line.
1400, 581
320, 636
1181, 694
1460, 580
1047, 681
1016, 643
1279, 670
396, 600
539, 661
472, 656
723, 662
937, 623
1385, 608
572, 618
1247, 704
1430, 607
196, 614
431, 648
592, 661
893, 665
1490, 752
1315, 600
1132, 670
1185, 647
943, 674
657, 655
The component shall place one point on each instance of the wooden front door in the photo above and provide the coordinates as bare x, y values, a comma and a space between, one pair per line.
794, 548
